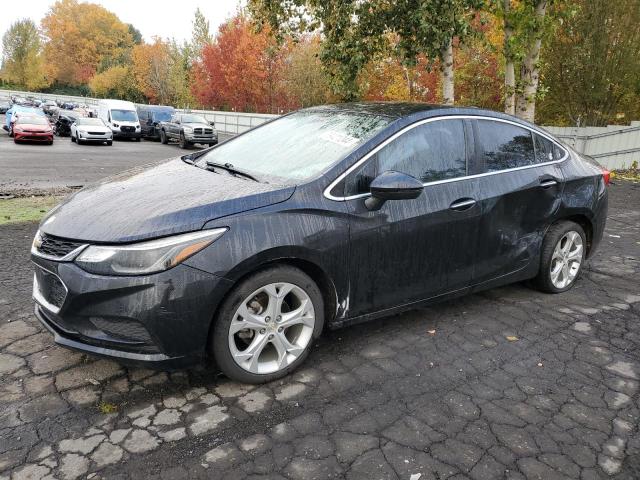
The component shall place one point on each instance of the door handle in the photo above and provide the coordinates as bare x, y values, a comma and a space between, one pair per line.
462, 204
548, 183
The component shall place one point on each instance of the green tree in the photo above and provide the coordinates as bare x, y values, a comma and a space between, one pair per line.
22, 62
135, 34
201, 35
591, 67
354, 32
526, 23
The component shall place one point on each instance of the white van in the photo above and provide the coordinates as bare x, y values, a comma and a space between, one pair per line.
121, 117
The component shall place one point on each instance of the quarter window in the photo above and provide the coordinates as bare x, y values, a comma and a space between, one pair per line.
503, 145
544, 149
429, 152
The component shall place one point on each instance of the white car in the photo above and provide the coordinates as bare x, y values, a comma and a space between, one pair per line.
91, 130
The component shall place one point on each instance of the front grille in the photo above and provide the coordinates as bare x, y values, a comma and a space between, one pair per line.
96, 133
197, 131
56, 247
127, 129
51, 288
123, 329
208, 131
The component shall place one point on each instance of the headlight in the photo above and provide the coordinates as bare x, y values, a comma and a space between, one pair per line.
115, 124
145, 257
187, 129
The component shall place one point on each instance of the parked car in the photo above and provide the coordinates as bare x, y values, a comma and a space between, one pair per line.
90, 130
328, 216
32, 128
15, 111
4, 106
121, 117
62, 121
151, 116
188, 129
49, 106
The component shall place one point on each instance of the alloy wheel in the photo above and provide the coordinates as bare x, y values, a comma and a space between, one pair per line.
271, 328
566, 259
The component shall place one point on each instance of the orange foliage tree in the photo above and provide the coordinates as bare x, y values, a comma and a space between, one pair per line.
81, 36
241, 70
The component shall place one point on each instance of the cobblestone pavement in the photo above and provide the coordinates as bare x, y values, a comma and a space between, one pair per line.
510, 383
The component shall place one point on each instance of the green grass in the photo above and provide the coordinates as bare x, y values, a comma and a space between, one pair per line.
26, 209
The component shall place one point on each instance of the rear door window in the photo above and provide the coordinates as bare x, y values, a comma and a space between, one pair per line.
429, 152
504, 145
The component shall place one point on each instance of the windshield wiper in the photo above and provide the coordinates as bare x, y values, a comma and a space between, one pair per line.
231, 169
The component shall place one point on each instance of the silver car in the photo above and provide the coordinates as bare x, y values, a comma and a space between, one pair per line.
91, 130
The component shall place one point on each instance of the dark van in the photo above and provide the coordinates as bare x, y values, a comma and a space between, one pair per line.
150, 117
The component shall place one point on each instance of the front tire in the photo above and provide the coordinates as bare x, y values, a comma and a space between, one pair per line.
183, 141
109, 143
72, 138
562, 257
266, 326
163, 137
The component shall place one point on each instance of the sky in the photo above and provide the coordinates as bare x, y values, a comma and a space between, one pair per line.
174, 20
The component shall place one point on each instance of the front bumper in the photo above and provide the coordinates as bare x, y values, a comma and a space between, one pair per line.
102, 137
121, 134
160, 320
33, 136
192, 138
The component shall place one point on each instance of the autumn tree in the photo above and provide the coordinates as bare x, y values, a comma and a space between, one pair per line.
22, 62
591, 66
240, 70
116, 82
160, 71
80, 36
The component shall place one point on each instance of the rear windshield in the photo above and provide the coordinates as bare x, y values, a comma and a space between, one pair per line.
298, 146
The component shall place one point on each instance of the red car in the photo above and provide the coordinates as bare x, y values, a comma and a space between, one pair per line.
33, 129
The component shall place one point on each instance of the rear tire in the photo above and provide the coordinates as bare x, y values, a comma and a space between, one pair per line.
300, 334
562, 257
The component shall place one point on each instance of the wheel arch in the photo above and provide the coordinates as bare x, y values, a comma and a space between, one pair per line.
301, 260
585, 222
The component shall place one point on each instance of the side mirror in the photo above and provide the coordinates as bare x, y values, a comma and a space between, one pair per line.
392, 185
213, 124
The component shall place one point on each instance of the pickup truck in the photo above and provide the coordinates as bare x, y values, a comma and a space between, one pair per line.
187, 129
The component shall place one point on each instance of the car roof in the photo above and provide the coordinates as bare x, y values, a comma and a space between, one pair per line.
391, 109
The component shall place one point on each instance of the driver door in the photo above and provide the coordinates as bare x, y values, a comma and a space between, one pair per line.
412, 250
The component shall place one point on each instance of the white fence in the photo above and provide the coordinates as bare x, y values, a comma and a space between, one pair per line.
613, 146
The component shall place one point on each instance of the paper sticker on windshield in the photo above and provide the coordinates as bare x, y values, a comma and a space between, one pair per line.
339, 138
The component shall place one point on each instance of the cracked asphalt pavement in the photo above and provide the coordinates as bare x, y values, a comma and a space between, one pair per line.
510, 383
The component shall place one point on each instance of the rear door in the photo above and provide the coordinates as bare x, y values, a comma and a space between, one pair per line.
411, 250
520, 192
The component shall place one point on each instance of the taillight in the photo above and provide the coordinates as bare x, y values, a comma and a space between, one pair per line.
606, 176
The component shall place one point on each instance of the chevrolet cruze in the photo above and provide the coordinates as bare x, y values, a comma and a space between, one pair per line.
325, 217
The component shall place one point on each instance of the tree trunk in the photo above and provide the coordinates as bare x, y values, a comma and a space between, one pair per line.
447, 73
530, 71
509, 69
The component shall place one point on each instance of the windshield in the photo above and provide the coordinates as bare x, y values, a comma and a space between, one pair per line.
90, 121
32, 120
300, 145
193, 119
124, 116
161, 116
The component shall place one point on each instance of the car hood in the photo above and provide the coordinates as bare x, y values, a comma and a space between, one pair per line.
93, 128
197, 125
33, 127
154, 201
